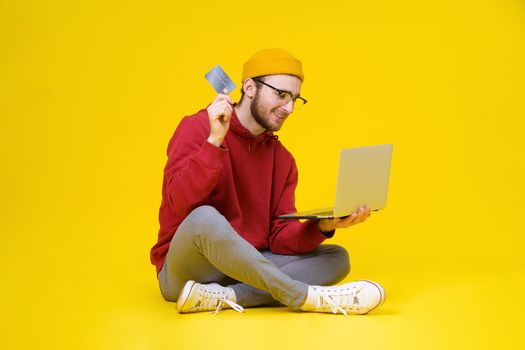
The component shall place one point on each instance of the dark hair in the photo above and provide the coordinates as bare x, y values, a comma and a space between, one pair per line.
257, 81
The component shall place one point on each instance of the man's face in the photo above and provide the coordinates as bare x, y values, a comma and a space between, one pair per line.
267, 107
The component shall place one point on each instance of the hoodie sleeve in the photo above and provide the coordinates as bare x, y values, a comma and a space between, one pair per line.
293, 236
193, 168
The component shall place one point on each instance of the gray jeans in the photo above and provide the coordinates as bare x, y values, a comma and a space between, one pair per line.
207, 249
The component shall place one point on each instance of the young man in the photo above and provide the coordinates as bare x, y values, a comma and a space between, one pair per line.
226, 181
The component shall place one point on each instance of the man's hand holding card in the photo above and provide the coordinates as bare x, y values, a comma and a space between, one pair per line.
221, 109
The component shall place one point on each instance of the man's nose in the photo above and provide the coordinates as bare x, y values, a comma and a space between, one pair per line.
288, 106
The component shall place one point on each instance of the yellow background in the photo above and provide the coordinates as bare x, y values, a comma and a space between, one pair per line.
91, 91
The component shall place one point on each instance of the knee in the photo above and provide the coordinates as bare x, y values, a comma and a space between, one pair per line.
204, 217
204, 211
169, 295
341, 258
207, 224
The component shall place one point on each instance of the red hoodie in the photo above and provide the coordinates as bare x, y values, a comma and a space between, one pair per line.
249, 179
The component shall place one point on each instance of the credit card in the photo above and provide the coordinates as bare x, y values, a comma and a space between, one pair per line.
220, 81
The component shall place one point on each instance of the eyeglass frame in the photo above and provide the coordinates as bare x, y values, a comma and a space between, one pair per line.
292, 98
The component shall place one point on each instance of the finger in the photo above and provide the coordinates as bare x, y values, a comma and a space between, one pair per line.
220, 109
225, 106
229, 108
368, 210
219, 97
222, 97
355, 218
230, 100
215, 112
335, 221
226, 116
227, 112
361, 215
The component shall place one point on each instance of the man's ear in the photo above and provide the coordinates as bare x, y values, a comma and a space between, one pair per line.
249, 88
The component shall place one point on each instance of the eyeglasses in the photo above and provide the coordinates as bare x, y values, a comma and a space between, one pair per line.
286, 96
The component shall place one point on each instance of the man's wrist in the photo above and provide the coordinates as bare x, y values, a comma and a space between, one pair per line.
214, 141
324, 228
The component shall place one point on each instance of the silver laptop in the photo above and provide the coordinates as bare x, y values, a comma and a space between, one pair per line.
362, 180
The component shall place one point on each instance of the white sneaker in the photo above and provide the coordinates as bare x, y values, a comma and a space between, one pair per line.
356, 298
196, 297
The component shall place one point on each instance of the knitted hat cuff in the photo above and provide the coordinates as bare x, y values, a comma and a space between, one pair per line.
272, 61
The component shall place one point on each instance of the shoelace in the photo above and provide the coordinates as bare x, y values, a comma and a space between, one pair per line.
210, 300
348, 298
233, 305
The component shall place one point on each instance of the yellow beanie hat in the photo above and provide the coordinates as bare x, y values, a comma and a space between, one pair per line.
272, 61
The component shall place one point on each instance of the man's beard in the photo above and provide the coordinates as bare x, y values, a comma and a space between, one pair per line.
258, 114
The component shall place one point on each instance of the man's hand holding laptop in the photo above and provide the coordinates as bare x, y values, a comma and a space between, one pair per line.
327, 225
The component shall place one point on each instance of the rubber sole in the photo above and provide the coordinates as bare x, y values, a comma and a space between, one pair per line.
183, 296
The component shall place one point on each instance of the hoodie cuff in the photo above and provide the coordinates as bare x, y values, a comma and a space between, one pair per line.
315, 223
328, 234
314, 232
